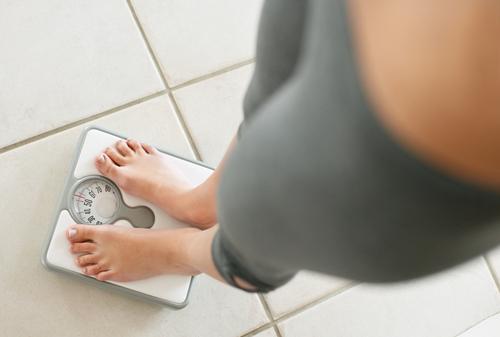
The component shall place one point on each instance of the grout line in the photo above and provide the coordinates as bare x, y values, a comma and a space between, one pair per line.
213, 74
266, 307
492, 272
476, 324
277, 330
315, 302
274, 322
80, 122
148, 45
268, 325
269, 314
156, 62
184, 127
258, 330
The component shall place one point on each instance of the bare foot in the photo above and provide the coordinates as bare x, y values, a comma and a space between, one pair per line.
123, 254
143, 171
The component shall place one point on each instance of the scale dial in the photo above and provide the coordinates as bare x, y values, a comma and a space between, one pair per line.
95, 201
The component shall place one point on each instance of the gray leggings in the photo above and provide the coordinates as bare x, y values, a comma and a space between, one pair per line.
315, 182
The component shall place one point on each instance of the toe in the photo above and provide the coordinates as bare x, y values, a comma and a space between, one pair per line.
81, 233
115, 156
105, 275
149, 149
124, 149
86, 260
107, 167
84, 247
93, 269
136, 146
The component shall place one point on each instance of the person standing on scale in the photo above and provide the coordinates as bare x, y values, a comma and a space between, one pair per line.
370, 150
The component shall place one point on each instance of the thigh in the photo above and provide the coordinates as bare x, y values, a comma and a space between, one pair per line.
278, 46
317, 183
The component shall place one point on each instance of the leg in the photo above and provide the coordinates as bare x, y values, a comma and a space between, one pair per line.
326, 188
278, 50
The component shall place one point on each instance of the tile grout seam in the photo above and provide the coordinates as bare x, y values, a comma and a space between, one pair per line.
213, 74
269, 314
177, 111
269, 325
274, 322
79, 122
314, 303
277, 330
265, 306
185, 128
258, 330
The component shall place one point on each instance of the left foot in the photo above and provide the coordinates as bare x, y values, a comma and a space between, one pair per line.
127, 254
143, 171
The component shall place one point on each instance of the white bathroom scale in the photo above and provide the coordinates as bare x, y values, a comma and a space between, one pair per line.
92, 199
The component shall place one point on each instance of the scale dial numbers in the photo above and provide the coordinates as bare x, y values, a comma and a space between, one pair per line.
95, 201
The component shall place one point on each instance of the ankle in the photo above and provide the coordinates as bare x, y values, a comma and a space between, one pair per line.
177, 251
199, 210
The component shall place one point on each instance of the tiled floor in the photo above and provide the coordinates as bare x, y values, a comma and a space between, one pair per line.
215, 101
172, 73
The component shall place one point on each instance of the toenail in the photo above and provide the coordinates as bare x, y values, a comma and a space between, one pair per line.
102, 158
84, 270
72, 232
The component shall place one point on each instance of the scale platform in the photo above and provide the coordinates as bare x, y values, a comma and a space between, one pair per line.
91, 199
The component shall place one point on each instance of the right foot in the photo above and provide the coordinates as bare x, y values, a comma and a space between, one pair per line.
142, 171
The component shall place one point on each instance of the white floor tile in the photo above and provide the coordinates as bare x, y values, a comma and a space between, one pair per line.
487, 328
443, 305
213, 111
65, 60
37, 302
303, 289
194, 38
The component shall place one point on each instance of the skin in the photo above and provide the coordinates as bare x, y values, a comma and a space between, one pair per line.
432, 72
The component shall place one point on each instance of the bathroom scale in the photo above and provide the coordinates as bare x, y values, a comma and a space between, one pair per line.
89, 198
